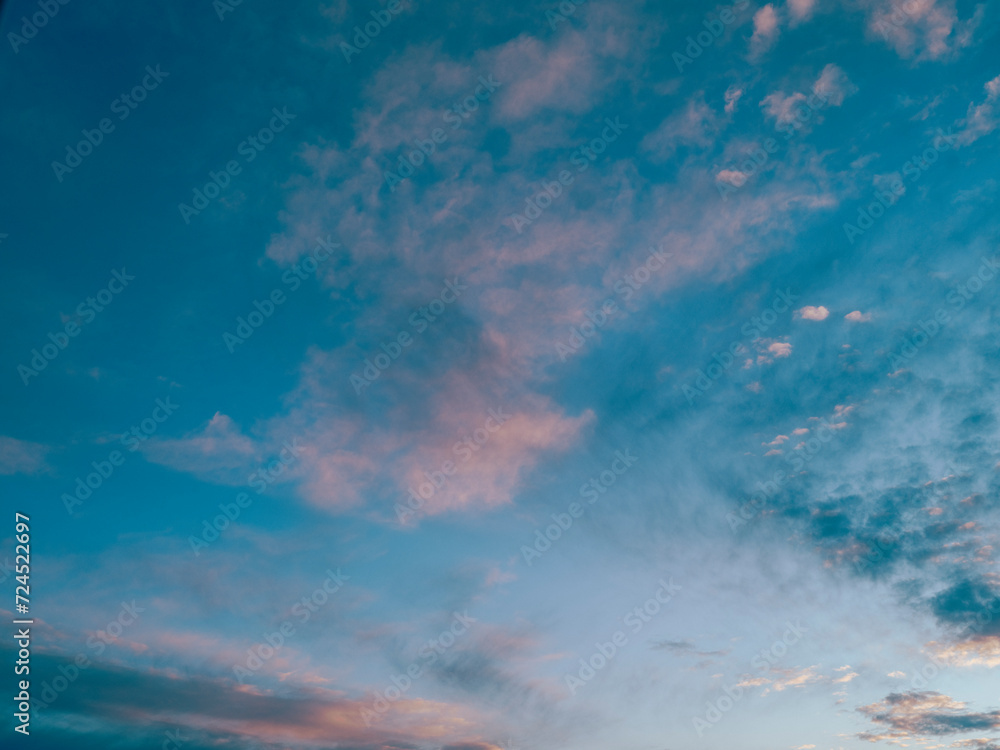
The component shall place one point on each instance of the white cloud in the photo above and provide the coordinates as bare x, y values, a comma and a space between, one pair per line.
856, 316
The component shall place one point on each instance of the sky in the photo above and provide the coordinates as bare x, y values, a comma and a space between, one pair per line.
483, 376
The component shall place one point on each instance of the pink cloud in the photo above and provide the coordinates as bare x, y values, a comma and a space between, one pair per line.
813, 313
21, 456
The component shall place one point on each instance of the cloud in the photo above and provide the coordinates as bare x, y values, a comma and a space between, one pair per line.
980, 651
856, 316
833, 85
785, 679
537, 76
21, 456
218, 452
813, 313
732, 96
781, 107
687, 647
692, 126
922, 29
122, 700
982, 119
731, 177
914, 714
765, 30
801, 10
769, 350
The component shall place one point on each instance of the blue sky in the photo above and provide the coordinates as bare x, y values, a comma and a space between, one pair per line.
505, 376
